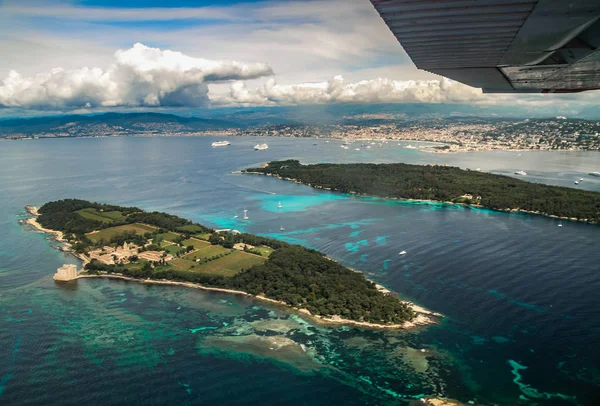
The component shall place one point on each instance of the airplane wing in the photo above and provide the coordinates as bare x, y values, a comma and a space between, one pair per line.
502, 46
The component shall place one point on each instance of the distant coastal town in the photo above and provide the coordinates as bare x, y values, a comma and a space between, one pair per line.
449, 135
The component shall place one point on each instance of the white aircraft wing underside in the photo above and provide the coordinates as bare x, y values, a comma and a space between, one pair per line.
502, 45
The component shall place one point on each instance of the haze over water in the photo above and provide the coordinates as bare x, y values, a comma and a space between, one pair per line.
519, 293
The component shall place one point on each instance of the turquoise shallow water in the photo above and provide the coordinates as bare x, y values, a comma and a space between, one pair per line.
519, 293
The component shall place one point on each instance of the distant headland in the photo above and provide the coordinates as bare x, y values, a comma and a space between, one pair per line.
442, 184
152, 247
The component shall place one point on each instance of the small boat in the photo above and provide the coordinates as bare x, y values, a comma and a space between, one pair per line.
580, 180
576, 182
345, 146
368, 147
522, 173
245, 214
220, 144
559, 224
357, 149
261, 147
402, 253
597, 174
236, 216
281, 228
279, 206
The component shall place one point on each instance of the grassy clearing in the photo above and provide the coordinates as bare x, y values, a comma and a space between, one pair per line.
204, 236
111, 232
180, 264
207, 252
230, 264
136, 266
169, 236
103, 216
264, 250
197, 244
173, 249
190, 229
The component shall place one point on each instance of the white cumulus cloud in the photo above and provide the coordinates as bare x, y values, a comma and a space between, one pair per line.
140, 76
379, 90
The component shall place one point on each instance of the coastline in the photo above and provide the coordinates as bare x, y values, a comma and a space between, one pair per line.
459, 149
423, 317
477, 206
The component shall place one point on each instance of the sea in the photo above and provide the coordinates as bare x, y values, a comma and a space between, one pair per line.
520, 295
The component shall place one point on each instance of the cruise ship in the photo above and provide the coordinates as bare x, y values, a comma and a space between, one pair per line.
220, 144
260, 147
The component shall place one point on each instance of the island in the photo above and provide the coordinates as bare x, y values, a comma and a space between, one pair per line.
154, 247
443, 184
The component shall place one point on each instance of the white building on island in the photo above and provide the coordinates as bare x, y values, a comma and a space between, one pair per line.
67, 272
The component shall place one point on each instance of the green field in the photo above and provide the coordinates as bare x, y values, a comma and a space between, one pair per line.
111, 232
204, 236
197, 244
230, 264
169, 236
103, 216
136, 265
173, 249
207, 252
191, 229
180, 264
264, 250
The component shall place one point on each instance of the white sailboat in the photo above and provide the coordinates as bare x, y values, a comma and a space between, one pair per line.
402, 253
281, 228
235, 216
245, 214
279, 206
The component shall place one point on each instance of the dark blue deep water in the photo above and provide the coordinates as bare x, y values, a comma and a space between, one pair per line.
520, 294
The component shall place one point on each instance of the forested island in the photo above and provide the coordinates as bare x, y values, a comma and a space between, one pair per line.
152, 246
444, 184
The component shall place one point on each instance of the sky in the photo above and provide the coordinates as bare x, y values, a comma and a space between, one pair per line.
100, 55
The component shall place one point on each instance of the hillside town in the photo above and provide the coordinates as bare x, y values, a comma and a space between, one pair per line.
456, 134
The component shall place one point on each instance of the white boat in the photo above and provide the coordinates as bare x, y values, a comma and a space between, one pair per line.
580, 180
261, 147
279, 206
357, 149
220, 144
345, 146
368, 147
597, 174
402, 253
522, 173
576, 182
281, 228
245, 214
559, 224
236, 216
